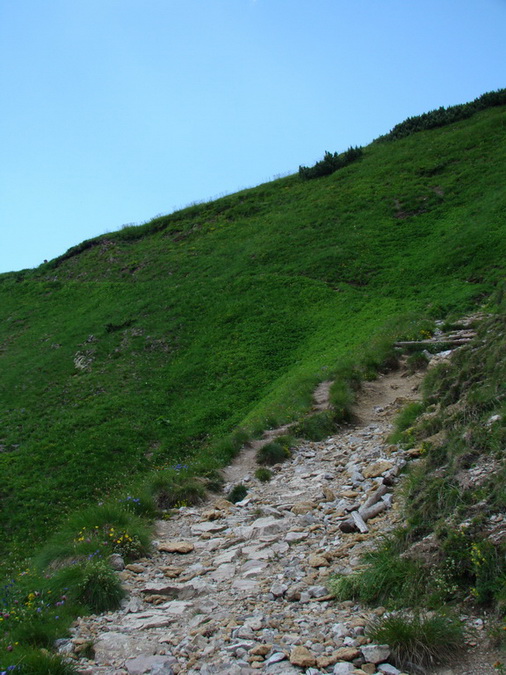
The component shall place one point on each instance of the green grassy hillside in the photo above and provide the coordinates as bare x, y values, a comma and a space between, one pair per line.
143, 348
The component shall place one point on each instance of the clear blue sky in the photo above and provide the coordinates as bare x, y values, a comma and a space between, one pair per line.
114, 111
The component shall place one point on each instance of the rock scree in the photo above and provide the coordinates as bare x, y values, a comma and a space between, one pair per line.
234, 589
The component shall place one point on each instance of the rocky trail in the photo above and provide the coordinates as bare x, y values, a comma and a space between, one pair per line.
244, 588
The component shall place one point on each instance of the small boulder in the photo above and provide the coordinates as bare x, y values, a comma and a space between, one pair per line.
375, 653
175, 546
318, 561
116, 562
377, 469
302, 657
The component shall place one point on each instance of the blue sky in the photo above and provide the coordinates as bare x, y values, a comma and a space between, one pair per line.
114, 111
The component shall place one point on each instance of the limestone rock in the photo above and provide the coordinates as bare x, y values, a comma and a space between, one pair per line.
175, 546
388, 669
172, 571
301, 656
116, 562
343, 668
377, 469
275, 658
303, 507
318, 561
346, 654
114, 645
160, 665
375, 653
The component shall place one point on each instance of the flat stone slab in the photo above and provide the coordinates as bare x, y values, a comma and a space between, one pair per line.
175, 546
208, 527
160, 665
146, 620
115, 645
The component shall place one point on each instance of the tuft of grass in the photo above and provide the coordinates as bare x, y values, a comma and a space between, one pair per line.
417, 361
92, 584
30, 661
419, 641
276, 451
237, 493
316, 427
173, 490
385, 579
263, 474
404, 431
273, 453
96, 531
342, 396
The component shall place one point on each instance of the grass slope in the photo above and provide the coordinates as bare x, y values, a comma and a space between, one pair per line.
141, 348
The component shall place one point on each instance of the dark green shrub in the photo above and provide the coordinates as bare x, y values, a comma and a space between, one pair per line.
37, 662
417, 361
273, 453
419, 641
330, 163
263, 475
237, 493
97, 531
386, 579
93, 584
342, 397
316, 427
171, 490
443, 116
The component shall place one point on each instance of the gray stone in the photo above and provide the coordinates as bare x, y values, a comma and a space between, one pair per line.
224, 572
274, 658
278, 589
115, 645
294, 537
246, 586
64, 646
147, 620
160, 665
388, 669
116, 562
208, 527
343, 668
375, 653
133, 605
317, 591
176, 591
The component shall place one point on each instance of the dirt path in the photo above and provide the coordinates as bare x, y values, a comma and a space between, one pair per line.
239, 589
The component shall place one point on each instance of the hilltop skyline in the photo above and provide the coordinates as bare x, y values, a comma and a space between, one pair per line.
116, 113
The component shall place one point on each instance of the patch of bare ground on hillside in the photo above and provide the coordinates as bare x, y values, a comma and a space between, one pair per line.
385, 396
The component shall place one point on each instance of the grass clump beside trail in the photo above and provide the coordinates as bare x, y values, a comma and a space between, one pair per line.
276, 451
71, 575
316, 427
237, 493
452, 549
263, 474
418, 641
